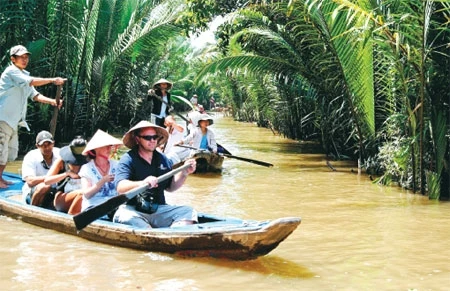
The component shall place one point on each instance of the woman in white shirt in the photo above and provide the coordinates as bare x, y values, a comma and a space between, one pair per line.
202, 137
97, 176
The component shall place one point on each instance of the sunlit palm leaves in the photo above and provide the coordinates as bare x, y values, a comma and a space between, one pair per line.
308, 45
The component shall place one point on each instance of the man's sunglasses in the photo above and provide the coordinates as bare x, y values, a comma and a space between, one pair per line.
149, 137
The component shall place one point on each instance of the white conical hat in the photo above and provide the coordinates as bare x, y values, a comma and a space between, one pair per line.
129, 139
101, 139
169, 84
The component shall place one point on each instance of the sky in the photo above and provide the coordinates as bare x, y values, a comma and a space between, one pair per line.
207, 37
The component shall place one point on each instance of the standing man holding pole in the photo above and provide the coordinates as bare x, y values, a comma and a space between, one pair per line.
16, 87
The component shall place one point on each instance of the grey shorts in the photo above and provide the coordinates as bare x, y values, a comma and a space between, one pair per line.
9, 143
163, 217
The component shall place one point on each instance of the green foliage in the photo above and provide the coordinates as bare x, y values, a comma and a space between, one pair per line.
434, 185
369, 79
367, 62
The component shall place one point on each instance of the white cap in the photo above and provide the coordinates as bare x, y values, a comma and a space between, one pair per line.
18, 50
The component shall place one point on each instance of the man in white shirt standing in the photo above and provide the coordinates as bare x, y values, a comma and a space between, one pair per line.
35, 166
16, 87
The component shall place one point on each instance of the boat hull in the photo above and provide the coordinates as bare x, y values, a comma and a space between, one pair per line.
229, 238
207, 162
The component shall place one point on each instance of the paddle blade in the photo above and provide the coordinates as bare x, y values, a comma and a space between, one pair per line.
222, 150
84, 218
256, 162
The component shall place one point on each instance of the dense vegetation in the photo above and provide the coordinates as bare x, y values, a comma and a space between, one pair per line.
366, 78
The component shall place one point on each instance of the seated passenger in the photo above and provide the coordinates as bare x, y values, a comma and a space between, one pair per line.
64, 172
176, 134
193, 117
202, 137
35, 166
97, 176
141, 166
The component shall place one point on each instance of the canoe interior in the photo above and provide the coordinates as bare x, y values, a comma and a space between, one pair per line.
213, 236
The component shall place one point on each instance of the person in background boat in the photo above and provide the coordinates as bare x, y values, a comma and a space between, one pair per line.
64, 172
142, 165
212, 103
16, 87
97, 176
35, 166
202, 137
194, 101
160, 97
201, 109
176, 135
193, 117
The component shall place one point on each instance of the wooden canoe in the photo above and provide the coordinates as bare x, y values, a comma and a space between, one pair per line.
213, 236
207, 162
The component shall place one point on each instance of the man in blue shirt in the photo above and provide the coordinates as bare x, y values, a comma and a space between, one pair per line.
16, 87
142, 165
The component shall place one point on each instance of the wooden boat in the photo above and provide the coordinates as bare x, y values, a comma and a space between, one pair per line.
207, 162
213, 236
212, 162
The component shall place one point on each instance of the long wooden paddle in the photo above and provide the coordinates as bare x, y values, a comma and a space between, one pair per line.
84, 218
256, 162
260, 163
55, 110
187, 120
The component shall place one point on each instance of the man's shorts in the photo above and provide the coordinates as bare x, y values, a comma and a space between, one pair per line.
163, 217
9, 143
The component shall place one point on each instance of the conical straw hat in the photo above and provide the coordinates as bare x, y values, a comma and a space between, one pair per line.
101, 139
169, 84
129, 140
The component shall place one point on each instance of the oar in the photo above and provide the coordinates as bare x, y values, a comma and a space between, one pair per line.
225, 151
86, 217
261, 163
55, 110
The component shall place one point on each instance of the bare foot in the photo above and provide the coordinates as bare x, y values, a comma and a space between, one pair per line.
3, 185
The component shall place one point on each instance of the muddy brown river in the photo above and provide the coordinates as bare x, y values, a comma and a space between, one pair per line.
354, 235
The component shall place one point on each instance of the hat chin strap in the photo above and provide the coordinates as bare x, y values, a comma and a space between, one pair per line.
103, 156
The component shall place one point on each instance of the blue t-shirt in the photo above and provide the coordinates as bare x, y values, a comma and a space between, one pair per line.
133, 167
203, 143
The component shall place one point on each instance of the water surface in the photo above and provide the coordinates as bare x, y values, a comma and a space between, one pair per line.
354, 235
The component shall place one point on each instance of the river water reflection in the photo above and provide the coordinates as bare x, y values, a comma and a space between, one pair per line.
354, 235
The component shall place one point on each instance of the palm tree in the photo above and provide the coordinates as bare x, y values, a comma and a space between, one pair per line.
109, 51
309, 48
412, 33
330, 45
